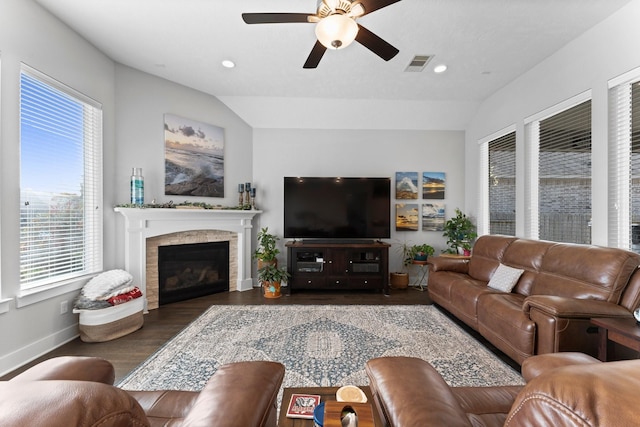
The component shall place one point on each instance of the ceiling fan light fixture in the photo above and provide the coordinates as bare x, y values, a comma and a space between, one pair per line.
336, 31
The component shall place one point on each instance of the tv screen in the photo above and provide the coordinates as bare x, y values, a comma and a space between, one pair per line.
337, 208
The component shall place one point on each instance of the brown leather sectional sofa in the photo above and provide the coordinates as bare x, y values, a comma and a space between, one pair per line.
77, 391
563, 389
562, 287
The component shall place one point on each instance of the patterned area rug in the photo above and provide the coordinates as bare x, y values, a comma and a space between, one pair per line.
325, 345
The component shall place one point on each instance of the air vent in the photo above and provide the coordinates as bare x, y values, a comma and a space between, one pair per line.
418, 63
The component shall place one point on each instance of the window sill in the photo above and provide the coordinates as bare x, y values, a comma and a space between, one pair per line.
43, 293
4, 305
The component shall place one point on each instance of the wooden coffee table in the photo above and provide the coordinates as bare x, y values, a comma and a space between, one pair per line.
326, 394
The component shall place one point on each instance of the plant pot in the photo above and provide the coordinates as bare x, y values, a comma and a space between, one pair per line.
262, 263
271, 289
420, 257
399, 280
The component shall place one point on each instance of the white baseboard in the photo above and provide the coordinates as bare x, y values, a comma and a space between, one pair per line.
26, 354
245, 285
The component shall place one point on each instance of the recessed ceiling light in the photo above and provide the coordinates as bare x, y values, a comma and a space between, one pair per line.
227, 63
440, 68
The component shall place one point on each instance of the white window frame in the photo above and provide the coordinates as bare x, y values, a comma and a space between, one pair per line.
41, 290
619, 187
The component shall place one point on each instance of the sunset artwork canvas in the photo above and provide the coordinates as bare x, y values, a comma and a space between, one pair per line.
406, 185
194, 158
433, 185
407, 218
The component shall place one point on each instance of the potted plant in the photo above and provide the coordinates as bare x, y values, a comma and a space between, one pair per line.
266, 251
400, 279
460, 233
271, 278
418, 253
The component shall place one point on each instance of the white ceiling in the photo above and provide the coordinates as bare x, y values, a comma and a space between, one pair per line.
485, 43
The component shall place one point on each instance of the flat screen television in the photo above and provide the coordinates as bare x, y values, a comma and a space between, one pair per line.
337, 208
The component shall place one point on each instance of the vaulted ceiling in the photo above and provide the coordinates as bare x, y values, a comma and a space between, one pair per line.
485, 44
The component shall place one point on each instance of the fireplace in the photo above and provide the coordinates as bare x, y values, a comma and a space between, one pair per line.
147, 229
192, 270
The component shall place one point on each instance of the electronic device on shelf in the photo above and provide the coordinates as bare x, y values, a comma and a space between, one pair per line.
337, 208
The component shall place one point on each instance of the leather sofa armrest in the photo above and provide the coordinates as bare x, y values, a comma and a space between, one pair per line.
239, 395
410, 392
535, 366
456, 265
562, 307
76, 368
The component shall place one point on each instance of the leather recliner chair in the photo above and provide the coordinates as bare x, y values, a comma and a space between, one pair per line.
562, 389
78, 391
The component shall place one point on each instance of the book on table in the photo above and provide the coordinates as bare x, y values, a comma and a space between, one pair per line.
302, 405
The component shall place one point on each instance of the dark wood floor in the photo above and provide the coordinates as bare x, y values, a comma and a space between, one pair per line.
160, 325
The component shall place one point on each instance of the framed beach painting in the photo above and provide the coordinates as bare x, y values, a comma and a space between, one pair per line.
433, 216
433, 185
407, 217
406, 185
194, 158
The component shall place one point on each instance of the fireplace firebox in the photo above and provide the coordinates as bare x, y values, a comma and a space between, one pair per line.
192, 270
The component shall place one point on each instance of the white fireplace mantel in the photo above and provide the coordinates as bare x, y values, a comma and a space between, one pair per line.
141, 224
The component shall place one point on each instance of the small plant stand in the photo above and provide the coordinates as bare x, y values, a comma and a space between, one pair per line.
420, 283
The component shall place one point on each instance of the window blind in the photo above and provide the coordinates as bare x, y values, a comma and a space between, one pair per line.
564, 175
60, 182
624, 164
501, 184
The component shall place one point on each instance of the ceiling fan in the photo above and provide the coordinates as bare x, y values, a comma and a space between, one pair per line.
336, 26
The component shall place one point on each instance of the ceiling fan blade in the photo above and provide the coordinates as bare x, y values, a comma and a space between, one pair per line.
375, 44
275, 18
373, 5
315, 56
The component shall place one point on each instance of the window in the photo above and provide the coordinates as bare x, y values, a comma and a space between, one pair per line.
624, 166
559, 168
60, 182
499, 172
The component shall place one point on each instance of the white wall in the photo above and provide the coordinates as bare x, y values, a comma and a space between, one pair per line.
586, 64
141, 102
352, 153
29, 34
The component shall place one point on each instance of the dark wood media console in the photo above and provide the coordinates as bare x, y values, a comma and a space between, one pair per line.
335, 266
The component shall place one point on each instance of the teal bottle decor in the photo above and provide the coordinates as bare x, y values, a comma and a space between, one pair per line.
137, 187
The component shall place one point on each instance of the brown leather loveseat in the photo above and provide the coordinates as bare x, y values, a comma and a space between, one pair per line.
77, 391
561, 288
563, 389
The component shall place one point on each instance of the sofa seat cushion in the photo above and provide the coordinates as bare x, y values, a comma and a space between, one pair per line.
486, 406
502, 322
458, 293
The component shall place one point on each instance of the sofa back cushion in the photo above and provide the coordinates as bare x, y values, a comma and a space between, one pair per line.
602, 394
527, 255
487, 256
67, 403
585, 272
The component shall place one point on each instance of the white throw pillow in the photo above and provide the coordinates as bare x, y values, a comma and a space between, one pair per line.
505, 278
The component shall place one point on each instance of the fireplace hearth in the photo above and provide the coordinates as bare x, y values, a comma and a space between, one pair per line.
192, 270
